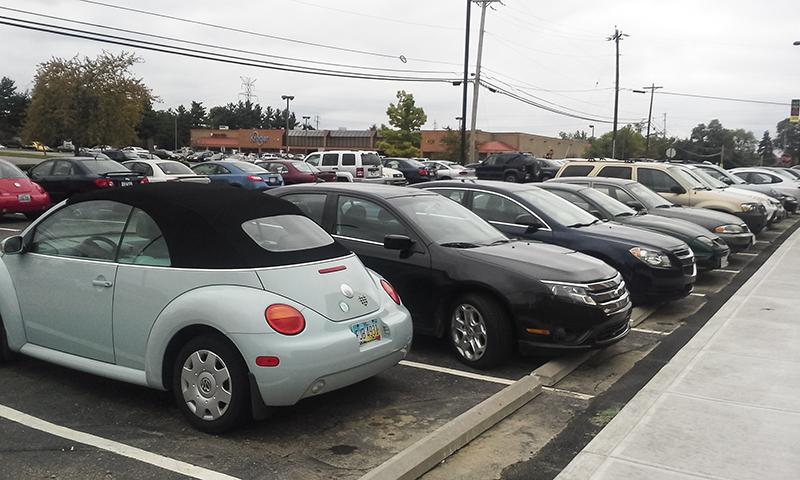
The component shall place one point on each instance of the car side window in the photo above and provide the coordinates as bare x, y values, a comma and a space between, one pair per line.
656, 180
313, 159
220, 170
43, 169
758, 178
63, 168
365, 220
774, 178
454, 195
311, 204
204, 169
573, 199
143, 243
614, 192
576, 171
393, 164
330, 160
348, 159
84, 230
616, 172
491, 161
494, 208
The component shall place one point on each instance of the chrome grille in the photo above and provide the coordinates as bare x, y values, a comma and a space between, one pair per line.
611, 295
686, 257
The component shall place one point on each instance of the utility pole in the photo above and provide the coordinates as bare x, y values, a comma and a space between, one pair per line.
616, 37
316, 120
176, 132
306, 118
652, 89
288, 98
665, 125
476, 88
465, 85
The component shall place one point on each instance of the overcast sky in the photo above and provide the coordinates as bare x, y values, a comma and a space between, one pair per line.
553, 50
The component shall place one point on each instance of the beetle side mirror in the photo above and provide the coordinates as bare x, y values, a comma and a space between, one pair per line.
397, 242
727, 181
678, 190
635, 205
529, 221
12, 245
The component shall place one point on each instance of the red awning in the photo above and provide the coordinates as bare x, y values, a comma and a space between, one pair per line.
494, 146
217, 142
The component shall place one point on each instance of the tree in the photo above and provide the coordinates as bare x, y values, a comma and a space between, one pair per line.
630, 144
765, 150
578, 135
407, 119
787, 138
197, 115
88, 101
12, 109
707, 142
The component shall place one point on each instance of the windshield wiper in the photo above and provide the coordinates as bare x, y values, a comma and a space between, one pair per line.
498, 242
624, 214
578, 225
460, 245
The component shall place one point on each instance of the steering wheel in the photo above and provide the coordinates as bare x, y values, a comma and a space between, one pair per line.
102, 253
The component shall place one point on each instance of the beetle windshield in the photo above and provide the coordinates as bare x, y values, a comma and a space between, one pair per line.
8, 170
286, 233
446, 222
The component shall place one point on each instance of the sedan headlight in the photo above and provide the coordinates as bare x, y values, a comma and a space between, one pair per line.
750, 207
705, 241
571, 293
729, 229
653, 258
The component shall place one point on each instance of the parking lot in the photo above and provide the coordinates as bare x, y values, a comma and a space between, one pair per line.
45, 409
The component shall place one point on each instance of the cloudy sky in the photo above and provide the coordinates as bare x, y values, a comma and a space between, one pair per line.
553, 53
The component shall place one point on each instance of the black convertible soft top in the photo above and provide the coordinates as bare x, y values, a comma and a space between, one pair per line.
202, 224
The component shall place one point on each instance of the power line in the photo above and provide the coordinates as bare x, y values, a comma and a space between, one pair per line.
258, 34
185, 52
219, 47
728, 99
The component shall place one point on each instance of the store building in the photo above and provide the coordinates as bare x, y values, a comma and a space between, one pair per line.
300, 141
433, 145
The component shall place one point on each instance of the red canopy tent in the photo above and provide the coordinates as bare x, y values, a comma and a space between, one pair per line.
494, 146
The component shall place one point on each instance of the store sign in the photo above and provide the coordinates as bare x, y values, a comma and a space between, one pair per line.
795, 115
258, 139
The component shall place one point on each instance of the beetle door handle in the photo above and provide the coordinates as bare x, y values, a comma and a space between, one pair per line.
101, 282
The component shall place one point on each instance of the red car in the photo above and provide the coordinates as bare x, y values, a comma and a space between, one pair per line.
20, 195
296, 171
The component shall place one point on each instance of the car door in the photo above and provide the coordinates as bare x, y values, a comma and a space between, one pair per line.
361, 225
329, 163
41, 175
65, 280
663, 184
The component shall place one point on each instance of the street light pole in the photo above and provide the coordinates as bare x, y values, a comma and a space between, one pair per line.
616, 37
592, 127
465, 85
176, 132
288, 98
652, 89
306, 118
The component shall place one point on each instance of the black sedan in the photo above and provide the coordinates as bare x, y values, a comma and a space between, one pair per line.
732, 230
655, 267
710, 251
64, 177
461, 277
414, 170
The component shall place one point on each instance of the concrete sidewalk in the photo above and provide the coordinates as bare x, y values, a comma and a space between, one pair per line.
727, 406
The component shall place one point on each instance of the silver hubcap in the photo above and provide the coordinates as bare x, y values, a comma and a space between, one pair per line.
206, 385
468, 331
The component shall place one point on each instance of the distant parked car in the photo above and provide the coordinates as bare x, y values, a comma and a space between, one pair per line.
239, 174
296, 171
731, 229
414, 170
64, 177
121, 155
779, 180
361, 165
394, 177
199, 156
2, 147
510, 167
18, 194
789, 202
165, 171
444, 170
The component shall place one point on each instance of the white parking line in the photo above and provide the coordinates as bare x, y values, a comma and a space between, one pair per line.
652, 332
111, 446
722, 270
458, 373
746, 254
762, 241
697, 294
10, 229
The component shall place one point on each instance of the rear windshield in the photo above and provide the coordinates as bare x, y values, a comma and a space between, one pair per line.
303, 167
286, 233
8, 170
249, 167
370, 159
175, 168
100, 167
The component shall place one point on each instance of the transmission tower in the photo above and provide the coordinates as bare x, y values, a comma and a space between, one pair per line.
249, 86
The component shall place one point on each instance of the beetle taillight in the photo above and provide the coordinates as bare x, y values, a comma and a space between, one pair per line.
285, 319
389, 289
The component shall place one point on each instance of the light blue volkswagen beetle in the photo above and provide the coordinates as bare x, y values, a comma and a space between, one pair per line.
231, 299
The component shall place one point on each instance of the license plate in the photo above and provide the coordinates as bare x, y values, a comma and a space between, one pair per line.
273, 180
723, 262
125, 184
366, 332
24, 198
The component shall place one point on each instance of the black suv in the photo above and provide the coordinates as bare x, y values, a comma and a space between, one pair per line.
510, 167
462, 278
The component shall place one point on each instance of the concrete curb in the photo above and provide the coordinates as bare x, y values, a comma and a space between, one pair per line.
555, 370
425, 454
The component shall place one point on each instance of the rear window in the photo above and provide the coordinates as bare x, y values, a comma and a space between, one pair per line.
175, 168
616, 172
249, 167
100, 167
370, 159
8, 170
303, 167
577, 171
286, 233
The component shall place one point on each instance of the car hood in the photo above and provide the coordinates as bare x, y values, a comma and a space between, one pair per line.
320, 286
756, 196
630, 236
727, 195
676, 227
541, 261
702, 216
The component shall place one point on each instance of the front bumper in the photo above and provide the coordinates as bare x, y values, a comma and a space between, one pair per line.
714, 258
756, 220
324, 357
600, 335
738, 241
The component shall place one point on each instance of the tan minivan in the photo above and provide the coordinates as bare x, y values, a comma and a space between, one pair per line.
674, 183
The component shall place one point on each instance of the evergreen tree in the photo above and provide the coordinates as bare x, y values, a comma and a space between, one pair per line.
765, 154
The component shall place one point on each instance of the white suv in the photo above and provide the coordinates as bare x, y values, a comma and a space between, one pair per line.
361, 165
